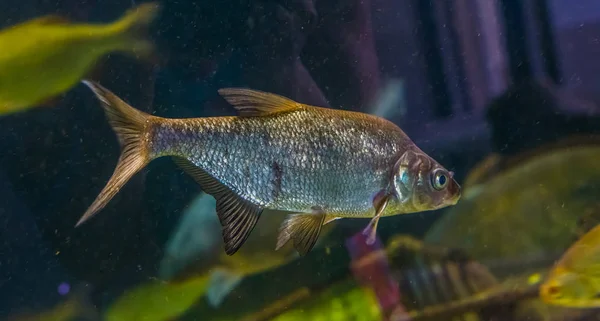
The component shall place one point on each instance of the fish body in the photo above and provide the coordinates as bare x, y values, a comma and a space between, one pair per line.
320, 163
44, 57
575, 279
336, 160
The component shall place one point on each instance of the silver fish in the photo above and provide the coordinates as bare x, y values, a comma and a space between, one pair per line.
320, 163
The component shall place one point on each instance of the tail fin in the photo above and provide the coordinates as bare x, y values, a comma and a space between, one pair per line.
132, 29
130, 126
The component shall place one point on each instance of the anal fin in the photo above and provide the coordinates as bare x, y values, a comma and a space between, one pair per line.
199, 175
238, 216
302, 229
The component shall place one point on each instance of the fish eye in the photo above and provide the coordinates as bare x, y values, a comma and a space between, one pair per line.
439, 179
554, 291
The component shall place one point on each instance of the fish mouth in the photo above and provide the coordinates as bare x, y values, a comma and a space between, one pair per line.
452, 201
456, 191
449, 202
455, 199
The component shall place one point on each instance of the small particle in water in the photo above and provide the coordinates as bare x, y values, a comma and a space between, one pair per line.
534, 278
64, 288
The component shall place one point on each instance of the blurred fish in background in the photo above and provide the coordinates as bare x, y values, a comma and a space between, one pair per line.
574, 281
45, 57
156, 300
196, 237
390, 101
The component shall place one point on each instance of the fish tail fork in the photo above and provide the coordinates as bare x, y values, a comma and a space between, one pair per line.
132, 129
131, 30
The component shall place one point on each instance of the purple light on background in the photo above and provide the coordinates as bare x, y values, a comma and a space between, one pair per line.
64, 288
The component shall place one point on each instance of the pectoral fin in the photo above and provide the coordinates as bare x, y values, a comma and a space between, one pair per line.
238, 216
380, 201
222, 282
302, 229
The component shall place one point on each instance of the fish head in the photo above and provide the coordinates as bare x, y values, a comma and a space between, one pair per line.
422, 184
568, 289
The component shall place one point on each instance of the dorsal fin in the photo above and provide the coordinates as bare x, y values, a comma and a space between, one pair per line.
257, 103
51, 19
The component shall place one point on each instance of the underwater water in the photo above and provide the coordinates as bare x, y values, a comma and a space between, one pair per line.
299, 160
